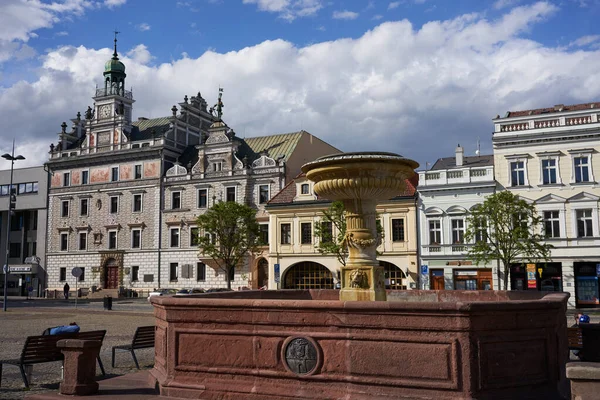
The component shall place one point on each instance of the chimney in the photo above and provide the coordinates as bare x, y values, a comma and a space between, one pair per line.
459, 156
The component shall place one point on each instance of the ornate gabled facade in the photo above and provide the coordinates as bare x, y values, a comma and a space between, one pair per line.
124, 194
296, 262
550, 157
447, 193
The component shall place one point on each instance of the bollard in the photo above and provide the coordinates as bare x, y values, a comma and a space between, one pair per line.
79, 366
108, 302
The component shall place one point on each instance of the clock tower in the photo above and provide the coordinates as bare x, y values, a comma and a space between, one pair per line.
112, 107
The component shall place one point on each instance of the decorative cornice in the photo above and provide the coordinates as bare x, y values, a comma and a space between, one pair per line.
113, 226
137, 225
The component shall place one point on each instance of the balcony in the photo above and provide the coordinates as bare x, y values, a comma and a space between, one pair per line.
457, 176
110, 91
546, 123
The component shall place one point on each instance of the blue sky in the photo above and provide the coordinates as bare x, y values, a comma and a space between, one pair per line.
381, 75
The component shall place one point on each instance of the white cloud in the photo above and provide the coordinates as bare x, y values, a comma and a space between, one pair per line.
288, 9
62, 33
377, 17
500, 4
143, 27
114, 3
345, 15
585, 40
393, 4
398, 87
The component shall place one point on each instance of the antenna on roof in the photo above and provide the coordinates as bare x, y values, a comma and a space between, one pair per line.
478, 151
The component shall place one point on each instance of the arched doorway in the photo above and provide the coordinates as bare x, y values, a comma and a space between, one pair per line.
262, 273
308, 275
111, 274
394, 277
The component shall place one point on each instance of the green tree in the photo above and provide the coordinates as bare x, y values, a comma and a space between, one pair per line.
332, 230
231, 235
506, 228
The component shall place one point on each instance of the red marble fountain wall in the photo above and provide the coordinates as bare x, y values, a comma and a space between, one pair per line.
307, 345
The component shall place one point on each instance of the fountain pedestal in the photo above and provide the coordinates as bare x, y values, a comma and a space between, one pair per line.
359, 180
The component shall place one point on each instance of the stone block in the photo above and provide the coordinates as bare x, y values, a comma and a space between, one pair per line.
585, 380
79, 366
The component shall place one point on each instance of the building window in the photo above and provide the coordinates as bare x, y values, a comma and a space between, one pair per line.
306, 233
581, 165
264, 234
517, 173
549, 172
112, 239
114, 204
174, 235
200, 271
82, 276
584, 223
14, 250
304, 188
326, 232
64, 241
84, 177
137, 203
67, 179
435, 231
135, 273
551, 224
230, 194
23, 188
458, 231
231, 274
62, 274
263, 194
173, 271
194, 237
114, 174
398, 230
217, 166
64, 209
202, 198
83, 207
136, 238
481, 233
82, 240
175, 200
286, 234
137, 174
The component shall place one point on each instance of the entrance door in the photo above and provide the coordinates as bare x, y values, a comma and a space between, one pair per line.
112, 277
437, 279
263, 273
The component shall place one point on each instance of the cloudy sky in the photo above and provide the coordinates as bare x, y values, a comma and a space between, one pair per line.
414, 77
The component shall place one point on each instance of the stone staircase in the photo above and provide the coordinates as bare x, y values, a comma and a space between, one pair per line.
114, 293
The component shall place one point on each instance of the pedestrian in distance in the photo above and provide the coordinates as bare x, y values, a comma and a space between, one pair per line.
66, 290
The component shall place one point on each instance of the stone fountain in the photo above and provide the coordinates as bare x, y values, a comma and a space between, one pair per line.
316, 344
360, 180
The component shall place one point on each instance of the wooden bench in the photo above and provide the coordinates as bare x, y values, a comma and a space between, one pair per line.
575, 338
43, 349
142, 339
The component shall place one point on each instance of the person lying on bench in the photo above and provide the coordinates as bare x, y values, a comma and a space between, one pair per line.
60, 330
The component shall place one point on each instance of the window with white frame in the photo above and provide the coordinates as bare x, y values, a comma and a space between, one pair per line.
551, 224
230, 193
136, 238
263, 194
549, 171
175, 200
304, 188
83, 240
481, 230
64, 241
286, 233
202, 198
137, 202
217, 166
581, 168
397, 230
263, 230
584, 223
435, 232
194, 232
174, 237
173, 267
112, 240
114, 204
200, 271
83, 207
64, 208
458, 230
135, 273
306, 233
517, 173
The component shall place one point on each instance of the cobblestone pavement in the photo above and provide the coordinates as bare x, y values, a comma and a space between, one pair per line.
18, 323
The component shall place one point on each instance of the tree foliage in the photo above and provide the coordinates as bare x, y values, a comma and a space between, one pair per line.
508, 229
231, 233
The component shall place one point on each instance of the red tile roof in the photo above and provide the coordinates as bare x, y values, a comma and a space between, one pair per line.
555, 109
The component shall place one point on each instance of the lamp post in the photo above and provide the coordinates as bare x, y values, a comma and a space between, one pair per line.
12, 197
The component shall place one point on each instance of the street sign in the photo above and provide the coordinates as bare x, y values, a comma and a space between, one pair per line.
424, 269
5, 268
76, 272
277, 273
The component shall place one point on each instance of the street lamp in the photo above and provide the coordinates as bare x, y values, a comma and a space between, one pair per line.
11, 201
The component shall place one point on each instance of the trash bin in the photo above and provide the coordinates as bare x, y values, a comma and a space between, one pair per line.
108, 302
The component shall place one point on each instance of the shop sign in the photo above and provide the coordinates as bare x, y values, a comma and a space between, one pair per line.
531, 280
463, 273
24, 268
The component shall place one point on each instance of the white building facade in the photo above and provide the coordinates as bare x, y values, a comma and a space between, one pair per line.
447, 193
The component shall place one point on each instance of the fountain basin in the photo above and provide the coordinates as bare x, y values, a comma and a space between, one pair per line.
310, 345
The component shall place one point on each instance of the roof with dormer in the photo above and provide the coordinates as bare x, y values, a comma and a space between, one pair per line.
468, 162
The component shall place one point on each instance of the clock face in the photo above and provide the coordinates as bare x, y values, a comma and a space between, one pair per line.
105, 111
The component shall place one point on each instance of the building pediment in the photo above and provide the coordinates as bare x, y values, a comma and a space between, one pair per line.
583, 196
550, 198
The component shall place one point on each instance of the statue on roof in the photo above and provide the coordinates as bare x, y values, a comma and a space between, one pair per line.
89, 114
217, 109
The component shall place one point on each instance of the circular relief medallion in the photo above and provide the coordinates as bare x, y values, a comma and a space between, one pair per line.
301, 355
